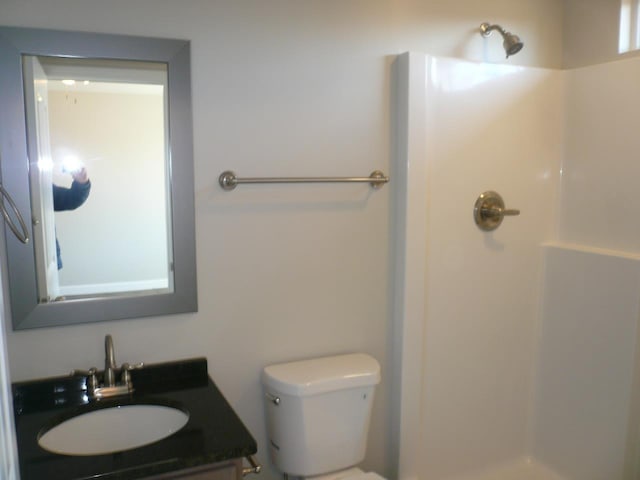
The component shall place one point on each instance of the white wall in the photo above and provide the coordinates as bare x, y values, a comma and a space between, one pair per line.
283, 87
590, 33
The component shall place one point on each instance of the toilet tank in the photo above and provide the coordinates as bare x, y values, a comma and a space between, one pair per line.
318, 412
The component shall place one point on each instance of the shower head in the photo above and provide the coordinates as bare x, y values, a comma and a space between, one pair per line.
511, 44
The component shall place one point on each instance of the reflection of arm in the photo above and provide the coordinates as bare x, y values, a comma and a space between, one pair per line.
70, 198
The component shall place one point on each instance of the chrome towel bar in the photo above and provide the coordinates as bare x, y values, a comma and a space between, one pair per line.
228, 180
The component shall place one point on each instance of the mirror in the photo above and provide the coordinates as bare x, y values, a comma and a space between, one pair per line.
98, 151
97, 127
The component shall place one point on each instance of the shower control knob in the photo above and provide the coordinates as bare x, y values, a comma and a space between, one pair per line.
489, 211
511, 211
499, 212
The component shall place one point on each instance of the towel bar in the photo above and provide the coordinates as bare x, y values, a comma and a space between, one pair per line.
228, 180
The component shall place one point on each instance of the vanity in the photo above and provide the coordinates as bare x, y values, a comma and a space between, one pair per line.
211, 445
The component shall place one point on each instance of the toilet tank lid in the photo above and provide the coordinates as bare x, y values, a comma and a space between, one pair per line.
320, 375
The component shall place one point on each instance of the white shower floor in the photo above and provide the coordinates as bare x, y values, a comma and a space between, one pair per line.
521, 469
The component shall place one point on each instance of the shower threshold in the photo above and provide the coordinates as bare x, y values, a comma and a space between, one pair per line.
520, 469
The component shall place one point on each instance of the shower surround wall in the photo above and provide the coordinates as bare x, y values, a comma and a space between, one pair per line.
589, 363
484, 127
503, 358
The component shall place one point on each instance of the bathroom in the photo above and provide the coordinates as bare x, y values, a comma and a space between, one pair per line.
289, 88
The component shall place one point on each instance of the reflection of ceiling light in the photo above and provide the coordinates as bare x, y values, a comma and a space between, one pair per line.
40, 99
69, 82
86, 82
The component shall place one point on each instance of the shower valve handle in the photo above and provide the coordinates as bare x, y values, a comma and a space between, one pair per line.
499, 212
489, 211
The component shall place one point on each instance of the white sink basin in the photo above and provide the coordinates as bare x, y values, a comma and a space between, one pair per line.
113, 429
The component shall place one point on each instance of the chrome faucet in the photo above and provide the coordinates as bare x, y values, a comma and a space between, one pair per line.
110, 387
109, 362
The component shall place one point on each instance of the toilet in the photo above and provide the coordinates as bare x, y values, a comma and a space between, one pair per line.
318, 414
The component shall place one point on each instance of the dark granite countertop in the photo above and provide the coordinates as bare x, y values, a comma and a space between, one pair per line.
213, 433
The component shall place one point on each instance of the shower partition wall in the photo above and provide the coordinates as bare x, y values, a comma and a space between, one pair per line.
480, 324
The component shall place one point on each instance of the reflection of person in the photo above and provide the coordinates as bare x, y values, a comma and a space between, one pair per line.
71, 198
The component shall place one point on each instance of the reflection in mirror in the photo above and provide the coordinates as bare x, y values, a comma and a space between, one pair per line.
118, 108
99, 127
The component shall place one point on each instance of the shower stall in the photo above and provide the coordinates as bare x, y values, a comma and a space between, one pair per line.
517, 350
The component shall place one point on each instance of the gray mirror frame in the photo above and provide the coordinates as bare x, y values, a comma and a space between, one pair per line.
14, 167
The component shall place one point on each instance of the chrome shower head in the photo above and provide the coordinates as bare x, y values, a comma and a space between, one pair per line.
512, 43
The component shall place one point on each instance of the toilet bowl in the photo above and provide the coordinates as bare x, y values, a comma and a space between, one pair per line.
318, 413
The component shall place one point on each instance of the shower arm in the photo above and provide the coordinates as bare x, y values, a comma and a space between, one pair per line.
486, 29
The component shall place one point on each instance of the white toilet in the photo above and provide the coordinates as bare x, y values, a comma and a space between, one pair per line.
318, 414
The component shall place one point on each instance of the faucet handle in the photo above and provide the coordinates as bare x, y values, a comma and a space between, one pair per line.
91, 374
126, 368
83, 373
